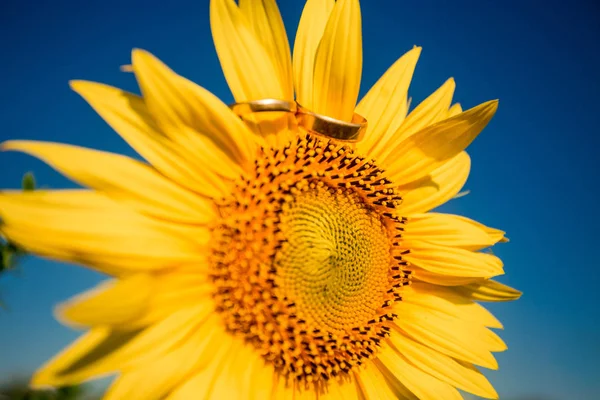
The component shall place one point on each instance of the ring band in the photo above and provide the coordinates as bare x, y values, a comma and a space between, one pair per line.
333, 128
320, 124
263, 105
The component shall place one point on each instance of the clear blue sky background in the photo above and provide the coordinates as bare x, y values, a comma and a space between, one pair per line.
535, 169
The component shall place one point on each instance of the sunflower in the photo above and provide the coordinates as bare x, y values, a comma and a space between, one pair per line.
283, 252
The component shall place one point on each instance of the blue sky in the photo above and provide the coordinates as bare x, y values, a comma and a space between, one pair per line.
535, 168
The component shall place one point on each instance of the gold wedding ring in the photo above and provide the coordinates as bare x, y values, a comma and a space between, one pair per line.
332, 128
242, 109
322, 125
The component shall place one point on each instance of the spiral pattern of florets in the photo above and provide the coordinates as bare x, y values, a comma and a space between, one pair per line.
306, 260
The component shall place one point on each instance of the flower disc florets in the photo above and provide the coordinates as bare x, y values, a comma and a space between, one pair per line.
306, 259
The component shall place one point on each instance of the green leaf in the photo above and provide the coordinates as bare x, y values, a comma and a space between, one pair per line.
28, 182
9, 254
7, 258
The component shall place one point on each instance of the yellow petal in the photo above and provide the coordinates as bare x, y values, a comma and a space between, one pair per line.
201, 383
472, 320
310, 31
175, 289
140, 300
282, 391
447, 301
431, 110
110, 303
262, 378
89, 228
454, 110
338, 63
265, 21
373, 385
495, 234
200, 169
157, 378
488, 290
444, 368
401, 391
426, 150
474, 312
153, 342
447, 230
235, 379
386, 104
249, 67
423, 385
190, 115
103, 351
346, 389
52, 373
441, 185
126, 180
453, 261
452, 336
424, 275
297, 394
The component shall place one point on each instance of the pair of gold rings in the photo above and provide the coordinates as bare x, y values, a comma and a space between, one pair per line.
323, 125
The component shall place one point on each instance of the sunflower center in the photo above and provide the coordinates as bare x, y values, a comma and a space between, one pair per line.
335, 259
306, 260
